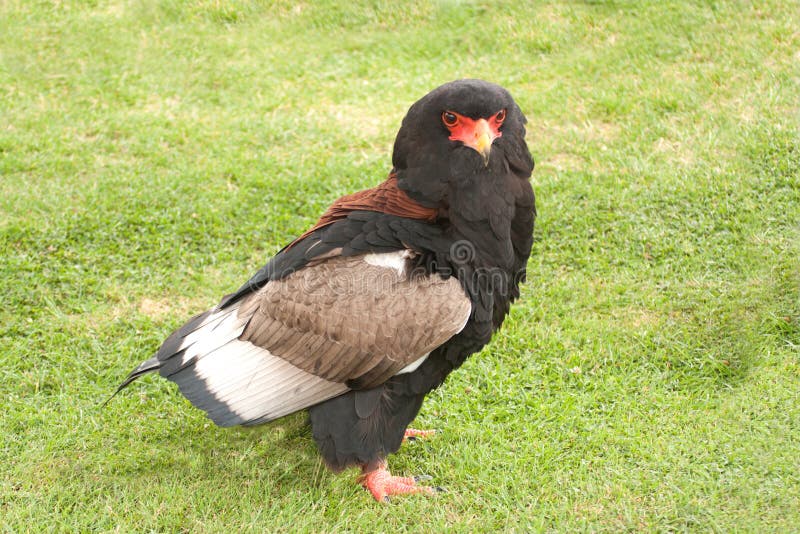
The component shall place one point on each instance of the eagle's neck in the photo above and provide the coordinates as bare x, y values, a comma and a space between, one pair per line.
490, 232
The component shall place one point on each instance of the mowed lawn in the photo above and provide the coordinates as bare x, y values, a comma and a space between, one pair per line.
154, 154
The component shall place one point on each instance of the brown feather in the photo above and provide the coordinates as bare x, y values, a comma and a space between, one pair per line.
364, 321
386, 197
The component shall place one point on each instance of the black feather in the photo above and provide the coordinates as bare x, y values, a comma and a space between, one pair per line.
491, 211
483, 237
147, 366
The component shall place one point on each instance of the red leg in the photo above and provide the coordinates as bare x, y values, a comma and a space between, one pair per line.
381, 484
412, 434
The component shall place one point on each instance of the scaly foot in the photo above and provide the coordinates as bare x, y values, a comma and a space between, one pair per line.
381, 484
413, 434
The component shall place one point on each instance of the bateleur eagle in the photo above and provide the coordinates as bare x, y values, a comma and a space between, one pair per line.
392, 289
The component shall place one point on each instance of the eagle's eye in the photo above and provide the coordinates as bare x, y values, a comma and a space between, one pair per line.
449, 119
500, 116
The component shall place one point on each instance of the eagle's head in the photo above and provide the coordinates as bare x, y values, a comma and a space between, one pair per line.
461, 131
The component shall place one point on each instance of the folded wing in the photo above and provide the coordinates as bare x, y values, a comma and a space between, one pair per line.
338, 324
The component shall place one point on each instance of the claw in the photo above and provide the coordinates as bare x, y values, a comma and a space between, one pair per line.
381, 484
412, 434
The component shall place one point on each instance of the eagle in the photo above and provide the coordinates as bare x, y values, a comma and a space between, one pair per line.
368, 311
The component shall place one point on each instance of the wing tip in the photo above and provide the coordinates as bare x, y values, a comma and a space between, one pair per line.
147, 366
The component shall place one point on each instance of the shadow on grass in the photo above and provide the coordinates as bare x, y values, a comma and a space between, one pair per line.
279, 458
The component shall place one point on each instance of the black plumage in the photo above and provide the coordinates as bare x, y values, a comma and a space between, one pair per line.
459, 210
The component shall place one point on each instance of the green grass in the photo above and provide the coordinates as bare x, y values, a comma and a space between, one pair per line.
154, 154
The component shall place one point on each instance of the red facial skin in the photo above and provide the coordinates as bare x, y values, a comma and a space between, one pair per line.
477, 134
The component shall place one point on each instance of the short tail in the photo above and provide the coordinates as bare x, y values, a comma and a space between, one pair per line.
153, 364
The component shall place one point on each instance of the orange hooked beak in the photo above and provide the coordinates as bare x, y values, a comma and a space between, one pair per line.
482, 140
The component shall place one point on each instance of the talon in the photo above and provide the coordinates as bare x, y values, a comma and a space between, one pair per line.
422, 478
412, 434
381, 484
